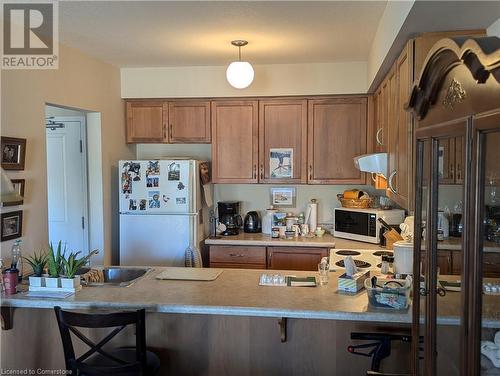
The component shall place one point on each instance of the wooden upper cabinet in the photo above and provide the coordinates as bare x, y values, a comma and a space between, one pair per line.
400, 146
189, 122
336, 134
147, 122
235, 141
283, 125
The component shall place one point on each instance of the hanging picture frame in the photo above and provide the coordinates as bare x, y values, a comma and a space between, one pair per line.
11, 225
13, 153
283, 197
19, 188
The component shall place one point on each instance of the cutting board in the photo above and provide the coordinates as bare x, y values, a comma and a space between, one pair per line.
190, 274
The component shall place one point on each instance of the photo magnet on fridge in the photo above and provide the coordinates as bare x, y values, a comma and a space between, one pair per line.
165, 198
174, 171
152, 182
142, 204
281, 163
133, 169
180, 186
154, 200
126, 183
153, 168
132, 205
180, 200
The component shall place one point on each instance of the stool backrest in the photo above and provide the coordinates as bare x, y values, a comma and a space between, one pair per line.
69, 322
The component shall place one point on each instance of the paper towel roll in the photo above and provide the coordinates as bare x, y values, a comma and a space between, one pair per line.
313, 216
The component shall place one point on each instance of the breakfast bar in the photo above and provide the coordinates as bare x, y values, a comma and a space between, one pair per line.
234, 315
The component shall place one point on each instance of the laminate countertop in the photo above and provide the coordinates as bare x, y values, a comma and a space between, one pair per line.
326, 241
237, 292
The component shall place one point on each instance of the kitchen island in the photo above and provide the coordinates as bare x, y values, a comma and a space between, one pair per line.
226, 326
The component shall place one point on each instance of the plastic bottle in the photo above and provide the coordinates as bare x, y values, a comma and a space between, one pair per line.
17, 259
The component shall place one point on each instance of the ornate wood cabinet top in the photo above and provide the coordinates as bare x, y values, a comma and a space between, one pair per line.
460, 77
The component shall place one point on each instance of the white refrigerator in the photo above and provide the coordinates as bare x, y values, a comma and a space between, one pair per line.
160, 211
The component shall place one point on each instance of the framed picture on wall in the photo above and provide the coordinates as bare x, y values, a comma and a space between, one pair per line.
283, 197
11, 225
13, 153
19, 187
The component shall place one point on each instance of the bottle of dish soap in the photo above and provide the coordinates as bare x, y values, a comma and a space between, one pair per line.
17, 259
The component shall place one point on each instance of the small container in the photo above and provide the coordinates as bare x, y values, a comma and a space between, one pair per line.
275, 232
289, 234
390, 260
389, 293
384, 268
9, 277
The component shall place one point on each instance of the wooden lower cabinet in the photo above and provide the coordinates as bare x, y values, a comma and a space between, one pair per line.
226, 256
444, 261
491, 264
278, 258
294, 258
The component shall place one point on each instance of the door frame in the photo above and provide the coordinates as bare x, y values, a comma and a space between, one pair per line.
84, 164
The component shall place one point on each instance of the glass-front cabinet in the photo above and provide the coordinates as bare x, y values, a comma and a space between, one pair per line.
456, 294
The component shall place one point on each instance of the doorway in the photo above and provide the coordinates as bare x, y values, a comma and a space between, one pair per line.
67, 187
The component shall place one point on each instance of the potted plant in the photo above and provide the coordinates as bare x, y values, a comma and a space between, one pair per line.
37, 263
71, 265
55, 264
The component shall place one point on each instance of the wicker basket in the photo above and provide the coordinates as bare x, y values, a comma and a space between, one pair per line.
361, 203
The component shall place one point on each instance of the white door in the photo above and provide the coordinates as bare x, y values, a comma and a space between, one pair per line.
66, 183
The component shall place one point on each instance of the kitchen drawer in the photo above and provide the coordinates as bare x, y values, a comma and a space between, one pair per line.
238, 255
230, 265
295, 258
491, 264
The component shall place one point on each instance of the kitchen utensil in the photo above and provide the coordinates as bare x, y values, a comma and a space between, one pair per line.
252, 223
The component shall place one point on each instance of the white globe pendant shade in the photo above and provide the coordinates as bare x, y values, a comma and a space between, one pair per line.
240, 74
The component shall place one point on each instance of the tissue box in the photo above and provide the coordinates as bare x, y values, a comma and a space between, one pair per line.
354, 283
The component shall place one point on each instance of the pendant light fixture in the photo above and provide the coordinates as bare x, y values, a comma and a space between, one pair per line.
239, 73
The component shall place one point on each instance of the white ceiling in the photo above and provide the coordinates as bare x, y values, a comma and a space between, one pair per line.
185, 33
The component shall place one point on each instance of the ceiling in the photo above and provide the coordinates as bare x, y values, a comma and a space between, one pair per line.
187, 33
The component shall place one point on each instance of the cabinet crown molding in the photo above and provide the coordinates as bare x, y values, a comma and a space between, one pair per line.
480, 55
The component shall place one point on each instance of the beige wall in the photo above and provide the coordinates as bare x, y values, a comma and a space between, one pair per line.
388, 28
80, 82
273, 79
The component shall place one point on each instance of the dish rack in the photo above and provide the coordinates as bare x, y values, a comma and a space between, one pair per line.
354, 203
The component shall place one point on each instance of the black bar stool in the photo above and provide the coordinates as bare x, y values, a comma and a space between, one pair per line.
122, 361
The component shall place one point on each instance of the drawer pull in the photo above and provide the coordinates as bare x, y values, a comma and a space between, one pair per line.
236, 255
377, 137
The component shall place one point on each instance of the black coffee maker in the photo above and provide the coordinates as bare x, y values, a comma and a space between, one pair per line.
229, 216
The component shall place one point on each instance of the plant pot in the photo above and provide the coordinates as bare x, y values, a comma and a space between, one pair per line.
52, 282
37, 281
70, 283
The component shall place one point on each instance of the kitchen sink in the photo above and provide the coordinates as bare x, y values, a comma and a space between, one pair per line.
115, 275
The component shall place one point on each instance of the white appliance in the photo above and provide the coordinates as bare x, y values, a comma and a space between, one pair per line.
403, 257
365, 259
363, 224
160, 211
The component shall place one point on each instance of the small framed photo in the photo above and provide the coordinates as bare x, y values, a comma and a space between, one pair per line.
12, 225
283, 197
19, 187
281, 163
13, 153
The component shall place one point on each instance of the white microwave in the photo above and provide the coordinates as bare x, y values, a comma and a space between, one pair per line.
363, 224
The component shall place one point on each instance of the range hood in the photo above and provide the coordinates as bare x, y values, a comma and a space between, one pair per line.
375, 163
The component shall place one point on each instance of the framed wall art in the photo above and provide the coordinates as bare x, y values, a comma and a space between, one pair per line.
19, 187
283, 197
11, 225
13, 153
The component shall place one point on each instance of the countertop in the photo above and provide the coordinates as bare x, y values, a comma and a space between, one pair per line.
326, 241
236, 292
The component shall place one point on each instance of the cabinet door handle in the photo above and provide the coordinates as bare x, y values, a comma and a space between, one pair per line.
310, 172
270, 258
377, 136
389, 182
255, 171
261, 172
374, 177
170, 131
451, 171
459, 172
165, 132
